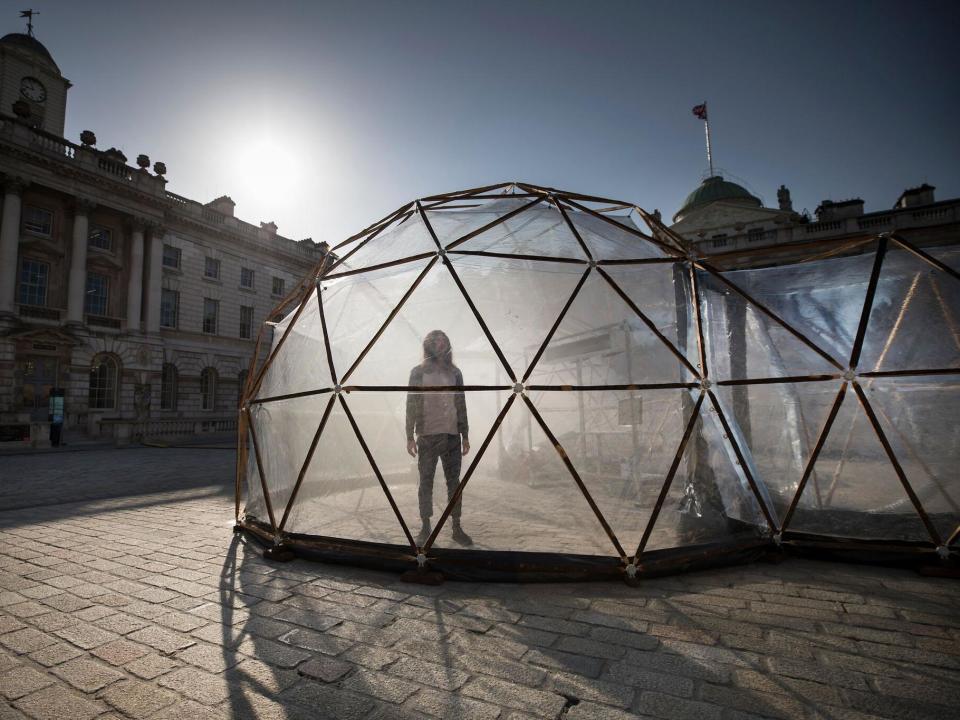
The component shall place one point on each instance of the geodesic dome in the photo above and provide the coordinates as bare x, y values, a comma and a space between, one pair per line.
630, 406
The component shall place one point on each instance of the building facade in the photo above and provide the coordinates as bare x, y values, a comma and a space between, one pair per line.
142, 306
721, 217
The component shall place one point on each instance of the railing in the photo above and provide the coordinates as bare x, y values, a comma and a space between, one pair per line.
124, 430
103, 321
827, 226
931, 214
37, 311
54, 144
866, 223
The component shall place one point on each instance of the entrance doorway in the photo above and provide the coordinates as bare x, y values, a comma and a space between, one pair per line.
39, 376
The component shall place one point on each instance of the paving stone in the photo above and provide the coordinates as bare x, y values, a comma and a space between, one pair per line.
335, 702
593, 711
26, 640
380, 685
209, 657
499, 692
26, 609
577, 686
436, 675
517, 672
194, 711
87, 675
579, 664
137, 698
197, 685
55, 654
53, 621
22, 681
121, 623
166, 641
324, 669
85, 635
761, 703
642, 679
271, 652
670, 664
448, 705
267, 677
375, 658
9, 624
316, 642
120, 652
151, 666
593, 648
58, 703
674, 708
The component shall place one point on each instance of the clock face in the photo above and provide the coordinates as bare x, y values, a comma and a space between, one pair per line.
33, 89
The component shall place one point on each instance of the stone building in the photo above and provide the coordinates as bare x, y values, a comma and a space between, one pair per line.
141, 305
720, 216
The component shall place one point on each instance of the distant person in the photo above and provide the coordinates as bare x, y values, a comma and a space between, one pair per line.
439, 421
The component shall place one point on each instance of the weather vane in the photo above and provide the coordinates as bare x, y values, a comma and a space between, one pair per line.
28, 14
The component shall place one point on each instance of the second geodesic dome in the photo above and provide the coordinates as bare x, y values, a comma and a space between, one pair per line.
630, 405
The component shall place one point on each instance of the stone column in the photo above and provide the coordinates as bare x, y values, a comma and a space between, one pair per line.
9, 242
135, 281
154, 278
77, 283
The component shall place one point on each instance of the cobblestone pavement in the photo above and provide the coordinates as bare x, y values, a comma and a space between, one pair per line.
124, 593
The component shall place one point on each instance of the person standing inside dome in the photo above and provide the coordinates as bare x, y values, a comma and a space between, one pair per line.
437, 428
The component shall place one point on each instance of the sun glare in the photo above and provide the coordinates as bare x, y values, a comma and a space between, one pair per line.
268, 169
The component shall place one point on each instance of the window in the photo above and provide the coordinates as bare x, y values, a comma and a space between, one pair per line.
755, 234
98, 294
211, 268
171, 257
168, 387
719, 240
37, 221
33, 282
100, 238
208, 388
246, 278
246, 322
241, 381
169, 308
277, 286
104, 374
211, 308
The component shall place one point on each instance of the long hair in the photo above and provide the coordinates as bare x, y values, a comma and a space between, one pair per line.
445, 359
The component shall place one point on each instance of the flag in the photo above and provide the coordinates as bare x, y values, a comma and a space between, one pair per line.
700, 111
26, 13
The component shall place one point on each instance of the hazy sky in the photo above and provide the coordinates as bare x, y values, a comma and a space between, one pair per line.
324, 116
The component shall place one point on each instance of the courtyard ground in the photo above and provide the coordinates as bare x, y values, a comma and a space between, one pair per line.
124, 593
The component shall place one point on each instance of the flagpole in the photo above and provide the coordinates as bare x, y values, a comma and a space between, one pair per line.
706, 125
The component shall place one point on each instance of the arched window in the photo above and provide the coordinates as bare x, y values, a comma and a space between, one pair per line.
208, 388
168, 387
241, 381
104, 378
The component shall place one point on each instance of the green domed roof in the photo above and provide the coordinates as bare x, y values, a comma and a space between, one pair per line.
712, 189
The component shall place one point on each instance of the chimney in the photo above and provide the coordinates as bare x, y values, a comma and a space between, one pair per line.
829, 210
223, 205
912, 197
783, 197
270, 228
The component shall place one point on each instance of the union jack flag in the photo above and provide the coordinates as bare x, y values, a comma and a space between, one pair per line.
700, 111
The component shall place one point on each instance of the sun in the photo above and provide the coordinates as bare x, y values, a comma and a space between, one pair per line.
269, 169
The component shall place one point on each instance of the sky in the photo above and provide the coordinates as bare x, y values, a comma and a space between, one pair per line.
325, 116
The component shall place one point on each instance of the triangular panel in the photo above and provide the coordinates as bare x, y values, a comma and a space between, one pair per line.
541, 230
622, 444
383, 418
403, 239
662, 291
709, 499
915, 321
436, 304
301, 363
858, 494
453, 221
519, 299
284, 429
340, 495
920, 417
355, 307
522, 497
611, 242
821, 299
744, 342
602, 341
779, 424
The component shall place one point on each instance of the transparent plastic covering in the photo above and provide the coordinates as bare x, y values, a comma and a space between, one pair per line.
524, 372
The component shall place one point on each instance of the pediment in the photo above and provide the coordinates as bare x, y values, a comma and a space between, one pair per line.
51, 336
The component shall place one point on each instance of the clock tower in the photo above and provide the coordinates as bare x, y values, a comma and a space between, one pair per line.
30, 78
